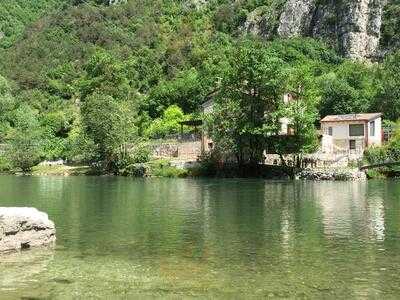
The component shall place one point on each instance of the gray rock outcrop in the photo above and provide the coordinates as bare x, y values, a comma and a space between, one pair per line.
116, 2
259, 23
353, 26
332, 175
296, 18
23, 228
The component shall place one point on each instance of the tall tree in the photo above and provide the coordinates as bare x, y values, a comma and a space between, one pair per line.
247, 107
388, 98
7, 104
111, 125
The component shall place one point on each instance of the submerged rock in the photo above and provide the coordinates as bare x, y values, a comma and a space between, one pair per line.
23, 228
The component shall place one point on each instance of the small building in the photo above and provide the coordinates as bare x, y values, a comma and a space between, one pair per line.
351, 133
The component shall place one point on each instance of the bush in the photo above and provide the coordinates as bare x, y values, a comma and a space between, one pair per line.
387, 153
24, 150
135, 170
168, 124
208, 165
376, 174
5, 164
376, 155
140, 153
163, 168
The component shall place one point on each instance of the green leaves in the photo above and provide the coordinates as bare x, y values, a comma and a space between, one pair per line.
110, 124
250, 95
350, 88
168, 124
388, 98
16, 14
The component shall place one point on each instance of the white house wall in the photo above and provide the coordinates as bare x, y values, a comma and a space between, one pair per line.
377, 138
341, 135
340, 129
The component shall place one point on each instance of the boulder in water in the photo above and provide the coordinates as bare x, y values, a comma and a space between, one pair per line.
23, 228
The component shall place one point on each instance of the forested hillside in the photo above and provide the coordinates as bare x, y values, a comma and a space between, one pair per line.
86, 77
15, 15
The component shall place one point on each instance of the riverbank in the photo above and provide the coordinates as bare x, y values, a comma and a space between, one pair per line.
332, 175
173, 169
194, 169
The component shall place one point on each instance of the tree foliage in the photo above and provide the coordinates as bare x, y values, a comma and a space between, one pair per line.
111, 126
248, 104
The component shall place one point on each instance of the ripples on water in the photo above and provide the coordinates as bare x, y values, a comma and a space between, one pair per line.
208, 238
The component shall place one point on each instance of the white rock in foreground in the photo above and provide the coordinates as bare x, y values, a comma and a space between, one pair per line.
23, 228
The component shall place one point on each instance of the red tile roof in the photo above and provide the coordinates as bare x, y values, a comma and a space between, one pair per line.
351, 117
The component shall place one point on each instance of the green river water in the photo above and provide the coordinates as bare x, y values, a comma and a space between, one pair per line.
123, 238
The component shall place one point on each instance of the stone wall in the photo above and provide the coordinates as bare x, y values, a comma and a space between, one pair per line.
188, 151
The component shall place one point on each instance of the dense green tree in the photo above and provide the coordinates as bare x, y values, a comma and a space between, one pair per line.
388, 98
303, 111
185, 90
249, 101
168, 124
24, 140
390, 32
106, 75
24, 149
16, 14
7, 104
350, 88
111, 125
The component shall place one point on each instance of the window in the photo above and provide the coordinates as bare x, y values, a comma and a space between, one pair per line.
330, 131
356, 129
372, 128
352, 144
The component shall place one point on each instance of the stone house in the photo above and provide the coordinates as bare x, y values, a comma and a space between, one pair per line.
351, 133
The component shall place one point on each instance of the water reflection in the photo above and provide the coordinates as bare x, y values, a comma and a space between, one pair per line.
218, 237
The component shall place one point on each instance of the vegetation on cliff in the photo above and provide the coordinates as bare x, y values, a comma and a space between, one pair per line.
89, 80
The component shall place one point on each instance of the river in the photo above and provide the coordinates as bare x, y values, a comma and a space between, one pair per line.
182, 238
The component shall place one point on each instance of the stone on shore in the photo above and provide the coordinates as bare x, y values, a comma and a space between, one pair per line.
23, 228
332, 175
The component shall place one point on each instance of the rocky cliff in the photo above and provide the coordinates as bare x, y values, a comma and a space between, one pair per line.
352, 26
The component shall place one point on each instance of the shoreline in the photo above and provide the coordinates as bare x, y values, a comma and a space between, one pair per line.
341, 174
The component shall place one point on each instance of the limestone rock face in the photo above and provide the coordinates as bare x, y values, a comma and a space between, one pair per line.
360, 28
22, 228
352, 26
115, 2
296, 17
258, 23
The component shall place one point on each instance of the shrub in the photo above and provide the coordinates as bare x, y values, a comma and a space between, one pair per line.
135, 170
5, 164
168, 124
140, 153
163, 168
375, 155
24, 150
